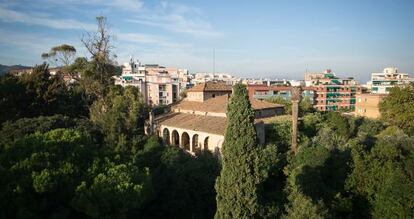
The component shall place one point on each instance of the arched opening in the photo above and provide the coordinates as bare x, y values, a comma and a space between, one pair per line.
217, 152
166, 136
185, 141
196, 146
175, 138
206, 143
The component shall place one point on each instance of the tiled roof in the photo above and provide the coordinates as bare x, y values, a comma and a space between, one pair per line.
219, 105
208, 124
259, 104
211, 86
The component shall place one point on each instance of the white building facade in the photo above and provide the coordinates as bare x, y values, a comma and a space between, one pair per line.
381, 83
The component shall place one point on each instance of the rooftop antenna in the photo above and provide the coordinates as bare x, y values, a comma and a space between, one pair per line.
214, 60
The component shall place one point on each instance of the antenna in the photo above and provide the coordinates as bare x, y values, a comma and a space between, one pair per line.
214, 60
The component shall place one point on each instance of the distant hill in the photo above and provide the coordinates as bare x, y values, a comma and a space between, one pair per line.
5, 68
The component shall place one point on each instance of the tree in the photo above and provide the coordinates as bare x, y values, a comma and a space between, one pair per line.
42, 171
13, 100
99, 45
286, 103
397, 108
382, 175
302, 207
305, 106
115, 191
61, 55
237, 192
39, 93
120, 115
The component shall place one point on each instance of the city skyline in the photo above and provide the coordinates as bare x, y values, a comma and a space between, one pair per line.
272, 39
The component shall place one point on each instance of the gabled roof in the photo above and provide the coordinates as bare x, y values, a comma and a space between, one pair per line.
211, 86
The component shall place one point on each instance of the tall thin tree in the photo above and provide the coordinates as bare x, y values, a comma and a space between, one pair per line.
237, 192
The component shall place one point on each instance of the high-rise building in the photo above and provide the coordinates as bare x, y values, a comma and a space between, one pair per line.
381, 83
158, 84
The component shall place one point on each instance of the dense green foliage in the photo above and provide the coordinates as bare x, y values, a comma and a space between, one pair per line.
237, 195
397, 108
120, 115
38, 94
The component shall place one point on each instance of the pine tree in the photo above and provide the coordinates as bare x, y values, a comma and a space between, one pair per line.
237, 192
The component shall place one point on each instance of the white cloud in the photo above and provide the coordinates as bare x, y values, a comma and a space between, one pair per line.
149, 39
129, 5
8, 15
176, 18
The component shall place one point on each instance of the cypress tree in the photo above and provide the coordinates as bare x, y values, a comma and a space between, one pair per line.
236, 187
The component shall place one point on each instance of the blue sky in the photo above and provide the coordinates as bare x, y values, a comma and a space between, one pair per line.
275, 38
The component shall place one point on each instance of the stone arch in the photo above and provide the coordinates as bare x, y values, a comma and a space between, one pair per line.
185, 141
166, 136
175, 138
206, 143
195, 144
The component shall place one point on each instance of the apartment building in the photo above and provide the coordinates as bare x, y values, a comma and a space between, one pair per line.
367, 105
331, 92
158, 84
381, 83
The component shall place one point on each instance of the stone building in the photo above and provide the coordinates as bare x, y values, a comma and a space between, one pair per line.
199, 121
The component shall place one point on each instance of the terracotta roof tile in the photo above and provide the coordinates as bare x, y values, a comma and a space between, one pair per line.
210, 86
208, 124
219, 105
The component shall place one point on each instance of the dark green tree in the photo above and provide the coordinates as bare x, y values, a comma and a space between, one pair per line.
120, 115
397, 108
382, 175
37, 94
116, 191
42, 171
237, 185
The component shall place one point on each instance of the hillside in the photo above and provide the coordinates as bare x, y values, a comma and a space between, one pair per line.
5, 68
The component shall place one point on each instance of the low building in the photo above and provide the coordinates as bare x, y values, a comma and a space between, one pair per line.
204, 91
199, 121
381, 83
367, 105
263, 92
